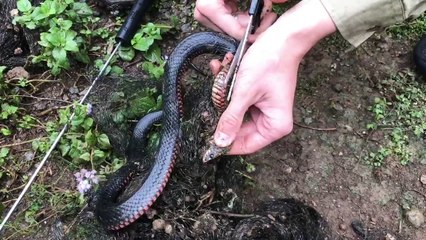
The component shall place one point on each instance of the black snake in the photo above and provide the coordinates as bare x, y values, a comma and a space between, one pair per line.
116, 215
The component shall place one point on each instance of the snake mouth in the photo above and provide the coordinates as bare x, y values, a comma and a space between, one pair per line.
214, 152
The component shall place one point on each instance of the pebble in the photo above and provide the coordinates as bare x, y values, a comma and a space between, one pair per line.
390, 237
168, 229
29, 156
186, 27
423, 179
307, 120
151, 213
338, 107
18, 51
337, 87
73, 90
288, 170
17, 73
158, 224
14, 12
343, 227
415, 217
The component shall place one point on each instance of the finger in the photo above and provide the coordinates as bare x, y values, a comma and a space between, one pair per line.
261, 132
249, 143
231, 120
246, 128
266, 22
205, 21
233, 25
215, 66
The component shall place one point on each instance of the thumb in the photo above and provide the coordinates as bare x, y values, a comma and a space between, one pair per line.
230, 122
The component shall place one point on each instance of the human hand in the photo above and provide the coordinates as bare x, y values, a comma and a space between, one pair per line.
224, 16
267, 77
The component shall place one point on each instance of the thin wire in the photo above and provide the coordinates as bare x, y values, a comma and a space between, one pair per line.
27, 186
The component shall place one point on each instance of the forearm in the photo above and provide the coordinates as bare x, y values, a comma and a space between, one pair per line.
299, 29
358, 20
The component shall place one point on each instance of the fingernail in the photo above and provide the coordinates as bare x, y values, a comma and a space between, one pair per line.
222, 140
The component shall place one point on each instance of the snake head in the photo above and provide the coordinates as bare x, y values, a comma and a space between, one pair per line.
214, 151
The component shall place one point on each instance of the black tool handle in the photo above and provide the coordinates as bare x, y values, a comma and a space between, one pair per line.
133, 22
255, 10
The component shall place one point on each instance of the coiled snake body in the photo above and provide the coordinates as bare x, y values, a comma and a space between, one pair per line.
116, 215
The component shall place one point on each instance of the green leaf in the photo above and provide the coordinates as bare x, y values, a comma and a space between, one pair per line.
153, 70
71, 45
87, 124
23, 5
59, 54
99, 154
103, 141
126, 53
5, 131
2, 68
64, 149
82, 56
154, 54
90, 138
142, 43
4, 152
116, 70
64, 24
85, 156
82, 8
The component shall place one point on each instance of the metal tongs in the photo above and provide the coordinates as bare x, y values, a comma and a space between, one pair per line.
255, 11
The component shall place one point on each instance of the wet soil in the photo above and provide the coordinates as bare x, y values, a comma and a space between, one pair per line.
321, 161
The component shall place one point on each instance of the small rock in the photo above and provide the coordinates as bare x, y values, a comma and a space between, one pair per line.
343, 227
337, 87
151, 213
205, 223
29, 156
415, 217
158, 224
65, 97
18, 51
186, 27
423, 179
73, 90
337, 107
389, 237
14, 12
271, 217
168, 229
307, 120
17, 73
288, 170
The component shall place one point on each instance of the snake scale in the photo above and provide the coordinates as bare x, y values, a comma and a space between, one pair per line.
116, 215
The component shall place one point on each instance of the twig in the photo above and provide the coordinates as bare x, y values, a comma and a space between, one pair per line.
133, 63
244, 175
314, 128
75, 219
237, 215
20, 143
417, 191
41, 98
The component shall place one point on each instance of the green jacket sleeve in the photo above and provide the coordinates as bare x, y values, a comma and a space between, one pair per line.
357, 20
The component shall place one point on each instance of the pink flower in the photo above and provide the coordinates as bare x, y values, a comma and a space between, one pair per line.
85, 180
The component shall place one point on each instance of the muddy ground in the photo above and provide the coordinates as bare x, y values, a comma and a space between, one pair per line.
324, 166
321, 161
